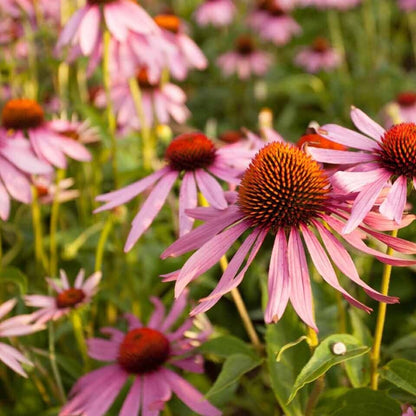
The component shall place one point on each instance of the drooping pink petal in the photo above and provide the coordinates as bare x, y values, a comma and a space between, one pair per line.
131, 405
209, 254
158, 313
366, 124
192, 364
324, 267
339, 156
175, 311
187, 199
102, 349
150, 209
72, 148
79, 279
156, 391
89, 29
300, 285
210, 189
7, 306
25, 160
189, 395
356, 181
224, 174
114, 18
12, 358
347, 137
393, 206
380, 222
279, 281
46, 150
71, 27
364, 202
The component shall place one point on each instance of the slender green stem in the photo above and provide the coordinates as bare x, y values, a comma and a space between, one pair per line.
37, 230
147, 144
412, 27
112, 125
79, 336
381, 317
52, 359
53, 259
101, 243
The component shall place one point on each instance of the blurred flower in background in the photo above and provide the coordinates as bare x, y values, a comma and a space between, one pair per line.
401, 110
217, 13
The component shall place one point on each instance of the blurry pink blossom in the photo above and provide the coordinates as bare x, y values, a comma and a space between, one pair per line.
215, 12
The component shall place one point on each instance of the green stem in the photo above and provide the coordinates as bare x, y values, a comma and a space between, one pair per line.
79, 336
147, 145
52, 359
412, 27
101, 243
112, 125
37, 230
381, 317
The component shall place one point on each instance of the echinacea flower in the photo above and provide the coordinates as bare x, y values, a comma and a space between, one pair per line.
384, 156
187, 54
48, 191
407, 5
146, 353
318, 57
24, 116
161, 101
192, 154
67, 297
271, 21
84, 30
245, 60
15, 327
287, 194
403, 108
217, 13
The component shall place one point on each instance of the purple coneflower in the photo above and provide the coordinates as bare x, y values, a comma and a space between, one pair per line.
146, 353
192, 154
67, 298
284, 192
245, 60
407, 5
20, 116
385, 155
319, 56
405, 107
15, 327
47, 190
217, 13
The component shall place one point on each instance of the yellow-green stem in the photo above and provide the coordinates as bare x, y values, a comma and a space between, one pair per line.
101, 243
79, 336
381, 317
147, 144
37, 231
112, 125
53, 259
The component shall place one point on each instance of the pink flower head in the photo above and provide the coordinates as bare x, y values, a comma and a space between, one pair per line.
405, 107
160, 101
330, 4
84, 30
15, 327
287, 194
187, 54
217, 13
20, 116
144, 352
272, 23
67, 298
245, 60
47, 190
384, 156
407, 5
194, 155
16, 8
319, 56
407, 410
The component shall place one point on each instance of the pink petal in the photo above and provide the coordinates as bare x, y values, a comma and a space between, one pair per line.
150, 209
79, 279
7, 306
4, 203
71, 27
25, 161
211, 189
366, 124
158, 314
187, 199
15, 182
279, 281
300, 285
393, 206
176, 310
89, 30
356, 181
131, 405
46, 150
339, 156
102, 349
156, 391
9, 357
190, 364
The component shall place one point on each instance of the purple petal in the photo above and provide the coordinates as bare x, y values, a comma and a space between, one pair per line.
103, 349
16, 183
356, 181
393, 206
12, 358
366, 124
156, 391
339, 156
7, 306
71, 27
89, 30
4, 203
187, 199
175, 311
131, 405
46, 150
211, 189
158, 314
79, 279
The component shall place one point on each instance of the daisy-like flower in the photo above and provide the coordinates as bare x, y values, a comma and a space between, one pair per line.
319, 56
14, 327
81, 132
272, 22
245, 60
23, 116
187, 54
217, 13
84, 30
284, 192
17, 8
407, 5
160, 101
403, 107
67, 297
194, 155
146, 353
384, 156
47, 190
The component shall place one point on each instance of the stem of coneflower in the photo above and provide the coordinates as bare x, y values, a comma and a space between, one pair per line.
53, 260
144, 128
112, 125
335, 34
99, 253
381, 317
242, 310
79, 336
37, 230
52, 359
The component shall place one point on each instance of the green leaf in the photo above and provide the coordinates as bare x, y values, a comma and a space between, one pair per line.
366, 402
235, 366
283, 373
225, 346
15, 276
324, 358
402, 373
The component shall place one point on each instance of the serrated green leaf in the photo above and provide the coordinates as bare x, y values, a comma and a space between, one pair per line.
366, 402
401, 373
235, 366
15, 276
323, 359
225, 346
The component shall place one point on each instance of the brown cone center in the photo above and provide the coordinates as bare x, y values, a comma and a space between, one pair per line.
21, 113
